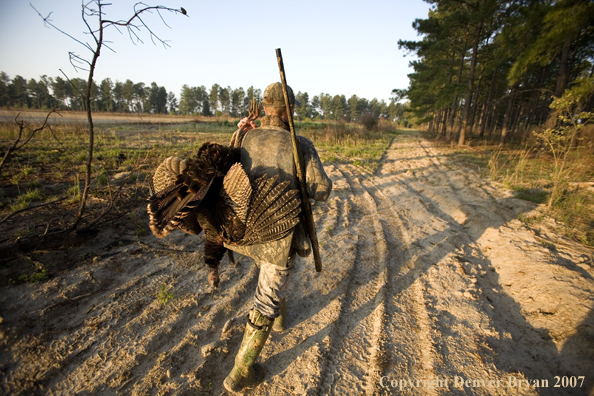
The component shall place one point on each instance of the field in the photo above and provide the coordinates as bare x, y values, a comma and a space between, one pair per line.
431, 272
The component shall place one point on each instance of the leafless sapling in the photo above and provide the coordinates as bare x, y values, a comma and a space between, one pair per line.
94, 9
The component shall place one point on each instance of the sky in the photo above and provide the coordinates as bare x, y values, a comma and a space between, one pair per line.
333, 47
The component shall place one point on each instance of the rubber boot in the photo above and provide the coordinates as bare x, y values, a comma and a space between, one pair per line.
246, 374
279, 322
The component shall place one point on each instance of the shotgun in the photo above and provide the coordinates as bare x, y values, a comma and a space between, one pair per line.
298, 159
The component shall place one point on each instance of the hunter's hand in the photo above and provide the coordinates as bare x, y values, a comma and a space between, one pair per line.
246, 123
213, 276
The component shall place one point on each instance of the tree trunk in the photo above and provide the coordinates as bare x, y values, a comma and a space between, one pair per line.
448, 131
455, 101
515, 121
475, 106
492, 121
87, 99
468, 100
430, 127
563, 69
488, 110
445, 120
437, 121
508, 112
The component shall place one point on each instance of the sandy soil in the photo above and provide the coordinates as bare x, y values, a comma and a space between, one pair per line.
431, 286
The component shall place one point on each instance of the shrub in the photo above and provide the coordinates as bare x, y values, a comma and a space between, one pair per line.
163, 296
369, 121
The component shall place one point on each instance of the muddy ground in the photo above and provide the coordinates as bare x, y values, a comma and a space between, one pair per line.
431, 286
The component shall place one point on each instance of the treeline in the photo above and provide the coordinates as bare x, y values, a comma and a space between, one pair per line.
493, 67
235, 102
50, 92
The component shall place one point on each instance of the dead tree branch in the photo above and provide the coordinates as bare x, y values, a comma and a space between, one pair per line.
94, 9
113, 197
18, 144
30, 208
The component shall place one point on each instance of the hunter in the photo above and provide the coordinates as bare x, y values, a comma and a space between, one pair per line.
268, 150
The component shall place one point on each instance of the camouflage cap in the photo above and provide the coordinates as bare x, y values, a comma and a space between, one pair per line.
274, 96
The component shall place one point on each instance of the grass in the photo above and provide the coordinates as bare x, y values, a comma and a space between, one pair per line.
163, 295
535, 195
349, 143
528, 170
25, 199
53, 163
35, 277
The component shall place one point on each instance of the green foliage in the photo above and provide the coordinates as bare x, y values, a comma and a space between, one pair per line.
27, 170
37, 276
102, 180
563, 21
74, 191
561, 139
534, 48
25, 199
130, 97
163, 295
82, 156
535, 195
349, 143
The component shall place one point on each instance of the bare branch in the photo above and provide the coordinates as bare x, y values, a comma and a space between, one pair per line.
30, 208
91, 13
58, 140
98, 35
42, 127
22, 126
131, 32
73, 86
117, 193
47, 21
137, 15
108, 47
77, 59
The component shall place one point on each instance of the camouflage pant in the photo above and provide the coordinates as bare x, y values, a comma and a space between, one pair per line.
275, 261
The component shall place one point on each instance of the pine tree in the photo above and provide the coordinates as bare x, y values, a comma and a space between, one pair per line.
213, 98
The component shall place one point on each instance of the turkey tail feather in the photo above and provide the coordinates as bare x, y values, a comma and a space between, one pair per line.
273, 216
273, 213
270, 197
168, 208
162, 208
263, 186
237, 191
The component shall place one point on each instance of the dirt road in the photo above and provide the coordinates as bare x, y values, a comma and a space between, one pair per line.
431, 286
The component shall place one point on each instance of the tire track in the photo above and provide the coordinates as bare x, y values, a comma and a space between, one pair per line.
443, 255
424, 278
406, 305
353, 357
300, 361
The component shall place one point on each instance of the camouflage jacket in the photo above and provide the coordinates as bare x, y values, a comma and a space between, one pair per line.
269, 150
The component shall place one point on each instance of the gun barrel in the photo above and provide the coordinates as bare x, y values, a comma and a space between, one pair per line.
298, 158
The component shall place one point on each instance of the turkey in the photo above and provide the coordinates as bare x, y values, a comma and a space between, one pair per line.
211, 192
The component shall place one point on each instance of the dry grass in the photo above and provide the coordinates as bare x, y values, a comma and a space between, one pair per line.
52, 164
346, 143
528, 170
